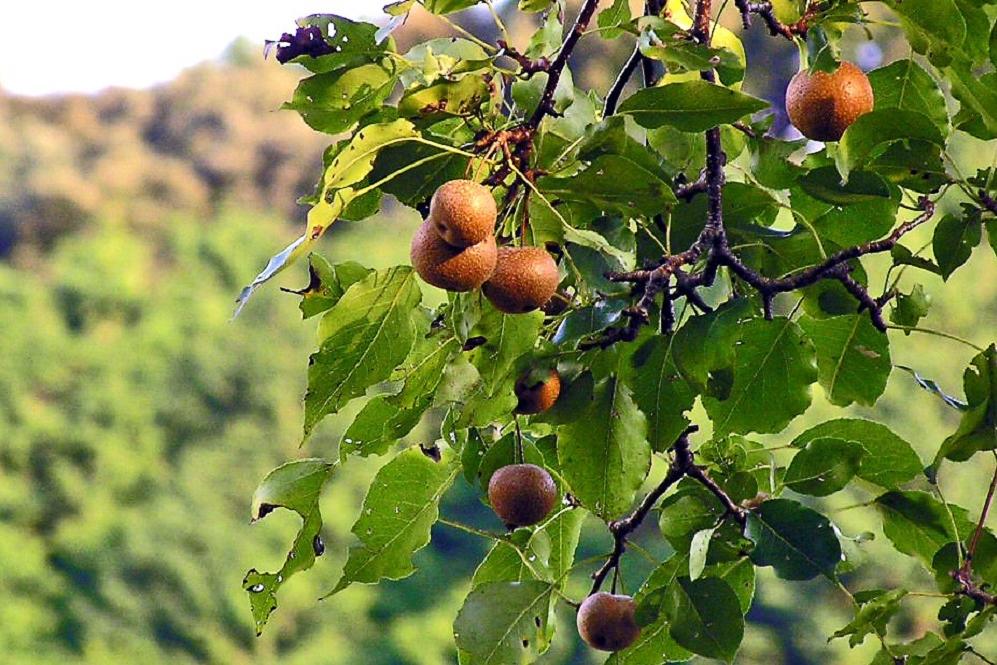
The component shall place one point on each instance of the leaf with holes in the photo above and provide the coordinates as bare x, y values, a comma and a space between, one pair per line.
364, 337
504, 622
295, 486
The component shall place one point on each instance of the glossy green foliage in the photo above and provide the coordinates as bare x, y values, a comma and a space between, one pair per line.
756, 300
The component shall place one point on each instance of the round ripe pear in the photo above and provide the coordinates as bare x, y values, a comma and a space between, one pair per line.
822, 105
451, 268
606, 621
525, 278
522, 494
463, 212
537, 396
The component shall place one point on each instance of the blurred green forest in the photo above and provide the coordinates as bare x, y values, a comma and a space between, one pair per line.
136, 419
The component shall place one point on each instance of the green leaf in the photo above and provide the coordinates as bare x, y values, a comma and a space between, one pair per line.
327, 283
385, 419
415, 186
993, 45
507, 337
904, 84
665, 41
613, 19
705, 344
448, 98
796, 541
690, 106
918, 525
774, 365
599, 184
364, 337
824, 466
978, 428
910, 308
398, 512
660, 391
889, 460
341, 184
295, 486
876, 608
353, 43
771, 163
447, 6
655, 645
853, 358
932, 26
687, 511
873, 132
605, 457
977, 96
549, 549
825, 184
335, 101
705, 617
699, 549
913, 165
954, 240
503, 622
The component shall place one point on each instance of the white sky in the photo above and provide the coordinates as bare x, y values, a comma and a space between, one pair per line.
83, 46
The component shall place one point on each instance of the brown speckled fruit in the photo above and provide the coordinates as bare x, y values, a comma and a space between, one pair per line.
606, 621
525, 279
451, 268
823, 105
537, 396
463, 212
522, 494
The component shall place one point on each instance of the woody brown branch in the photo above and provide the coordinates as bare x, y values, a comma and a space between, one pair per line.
527, 65
766, 11
546, 105
682, 465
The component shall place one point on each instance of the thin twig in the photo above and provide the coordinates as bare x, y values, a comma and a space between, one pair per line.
616, 91
546, 105
622, 528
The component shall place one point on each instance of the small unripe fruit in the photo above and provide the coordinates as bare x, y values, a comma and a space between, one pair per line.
522, 494
822, 105
451, 268
463, 212
537, 396
606, 621
525, 279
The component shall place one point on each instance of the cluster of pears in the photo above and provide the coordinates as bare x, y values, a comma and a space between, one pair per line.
822, 105
455, 249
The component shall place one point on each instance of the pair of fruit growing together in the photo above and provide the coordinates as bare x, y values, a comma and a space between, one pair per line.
524, 494
455, 249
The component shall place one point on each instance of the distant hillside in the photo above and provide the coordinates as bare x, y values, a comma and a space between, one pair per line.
211, 136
